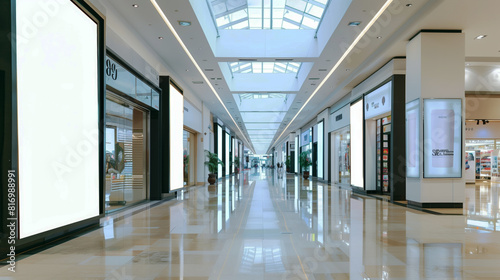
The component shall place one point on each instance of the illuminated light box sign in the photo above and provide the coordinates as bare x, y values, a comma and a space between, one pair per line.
443, 138
58, 118
357, 144
378, 101
176, 138
413, 139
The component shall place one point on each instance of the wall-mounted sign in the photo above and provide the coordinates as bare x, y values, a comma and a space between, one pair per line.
413, 139
378, 101
443, 138
338, 117
305, 137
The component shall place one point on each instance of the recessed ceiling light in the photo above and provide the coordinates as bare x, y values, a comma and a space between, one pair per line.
467, 64
135, 5
184, 23
480, 37
379, 37
354, 23
161, 38
409, 5
347, 70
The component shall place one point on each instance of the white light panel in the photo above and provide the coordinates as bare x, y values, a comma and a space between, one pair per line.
176, 139
57, 91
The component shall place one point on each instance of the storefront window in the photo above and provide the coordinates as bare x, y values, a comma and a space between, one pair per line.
126, 154
342, 148
189, 141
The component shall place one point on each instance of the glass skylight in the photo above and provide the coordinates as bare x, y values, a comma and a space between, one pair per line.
268, 14
264, 67
262, 114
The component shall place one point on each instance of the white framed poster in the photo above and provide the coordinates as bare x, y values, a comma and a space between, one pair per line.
443, 138
413, 139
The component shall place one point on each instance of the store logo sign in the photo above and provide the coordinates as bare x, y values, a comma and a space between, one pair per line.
111, 70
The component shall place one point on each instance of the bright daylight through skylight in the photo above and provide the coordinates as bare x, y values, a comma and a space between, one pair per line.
268, 14
264, 67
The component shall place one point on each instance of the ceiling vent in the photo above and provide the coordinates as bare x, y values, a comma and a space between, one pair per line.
283, 59
322, 70
197, 82
209, 70
313, 79
247, 59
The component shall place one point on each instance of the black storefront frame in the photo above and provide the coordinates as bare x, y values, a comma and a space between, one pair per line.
9, 132
397, 159
154, 129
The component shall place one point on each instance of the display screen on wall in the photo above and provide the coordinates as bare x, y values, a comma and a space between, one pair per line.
378, 101
176, 138
443, 138
357, 146
58, 117
413, 139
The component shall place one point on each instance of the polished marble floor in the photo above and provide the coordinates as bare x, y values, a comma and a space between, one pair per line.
271, 226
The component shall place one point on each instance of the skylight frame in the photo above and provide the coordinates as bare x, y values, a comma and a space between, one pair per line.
267, 16
258, 67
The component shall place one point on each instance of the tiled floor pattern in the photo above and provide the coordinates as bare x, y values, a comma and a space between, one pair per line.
270, 226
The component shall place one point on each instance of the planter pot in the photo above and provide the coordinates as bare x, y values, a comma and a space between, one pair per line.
211, 179
305, 174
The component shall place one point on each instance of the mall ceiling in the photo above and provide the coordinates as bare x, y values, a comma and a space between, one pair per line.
332, 76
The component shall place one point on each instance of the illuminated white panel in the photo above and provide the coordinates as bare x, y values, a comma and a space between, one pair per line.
176, 139
232, 155
320, 149
219, 150
57, 90
357, 136
228, 141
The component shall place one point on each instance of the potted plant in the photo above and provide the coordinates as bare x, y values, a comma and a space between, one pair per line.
288, 163
236, 163
213, 163
305, 162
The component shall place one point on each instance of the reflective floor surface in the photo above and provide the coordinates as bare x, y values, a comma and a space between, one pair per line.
271, 226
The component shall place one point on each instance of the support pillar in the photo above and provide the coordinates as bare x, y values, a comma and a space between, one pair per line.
435, 69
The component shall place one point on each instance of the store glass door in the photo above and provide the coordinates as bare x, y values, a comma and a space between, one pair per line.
127, 160
189, 144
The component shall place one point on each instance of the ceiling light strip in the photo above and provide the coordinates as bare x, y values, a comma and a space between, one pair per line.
342, 58
167, 22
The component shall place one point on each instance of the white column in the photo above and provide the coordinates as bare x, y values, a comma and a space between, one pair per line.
435, 69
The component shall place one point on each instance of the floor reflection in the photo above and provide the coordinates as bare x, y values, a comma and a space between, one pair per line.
263, 224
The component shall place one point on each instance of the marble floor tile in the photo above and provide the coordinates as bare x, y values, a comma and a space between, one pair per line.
260, 226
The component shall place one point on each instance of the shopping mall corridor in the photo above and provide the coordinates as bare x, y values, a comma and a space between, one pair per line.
265, 225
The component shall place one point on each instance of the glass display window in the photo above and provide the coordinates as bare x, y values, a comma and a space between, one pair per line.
341, 161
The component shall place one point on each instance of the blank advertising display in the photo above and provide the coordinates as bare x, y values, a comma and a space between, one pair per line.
220, 155
357, 146
58, 116
176, 139
228, 141
443, 138
413, 139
